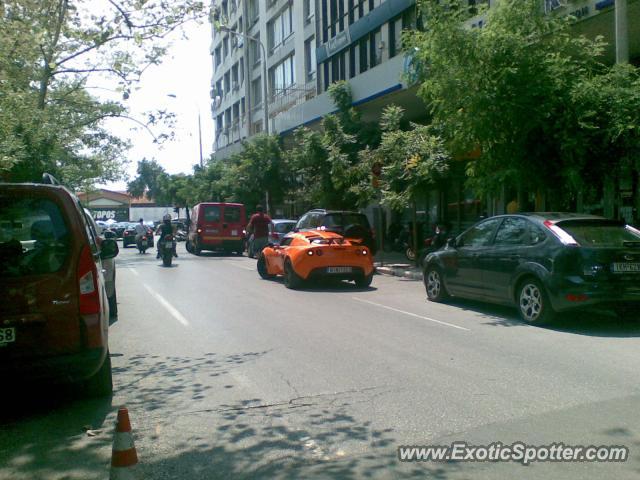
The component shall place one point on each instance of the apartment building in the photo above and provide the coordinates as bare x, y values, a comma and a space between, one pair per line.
309, 44
254, 39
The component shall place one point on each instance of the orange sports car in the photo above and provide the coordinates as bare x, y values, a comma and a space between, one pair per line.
316, 254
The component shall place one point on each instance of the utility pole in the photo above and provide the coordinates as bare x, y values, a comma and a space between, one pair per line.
200, 139
622, 32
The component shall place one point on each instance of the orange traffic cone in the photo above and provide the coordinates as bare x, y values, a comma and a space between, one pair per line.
123, 456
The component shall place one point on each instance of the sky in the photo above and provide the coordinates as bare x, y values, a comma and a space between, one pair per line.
181, 84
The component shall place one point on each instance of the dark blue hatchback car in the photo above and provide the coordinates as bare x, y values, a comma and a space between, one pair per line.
543, 263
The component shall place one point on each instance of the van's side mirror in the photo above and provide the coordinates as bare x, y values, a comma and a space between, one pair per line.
108, 249
295, 229
109, 234
451, 242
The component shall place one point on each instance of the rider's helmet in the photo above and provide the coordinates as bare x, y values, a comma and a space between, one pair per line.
166, 218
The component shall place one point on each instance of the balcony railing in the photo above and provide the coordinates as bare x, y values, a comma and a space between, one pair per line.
284, 99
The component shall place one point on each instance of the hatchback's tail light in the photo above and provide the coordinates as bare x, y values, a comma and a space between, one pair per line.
563, 236
126, 233
88, 283
275, 235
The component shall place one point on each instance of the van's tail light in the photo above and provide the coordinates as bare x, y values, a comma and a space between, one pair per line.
88, 283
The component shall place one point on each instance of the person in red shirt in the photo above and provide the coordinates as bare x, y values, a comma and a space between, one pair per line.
259, 227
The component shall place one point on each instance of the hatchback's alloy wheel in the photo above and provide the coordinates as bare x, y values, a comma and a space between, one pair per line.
433, 284
533, 304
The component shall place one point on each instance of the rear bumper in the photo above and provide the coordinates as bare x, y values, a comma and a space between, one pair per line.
58, 368
321, 272
221, 244
574, 292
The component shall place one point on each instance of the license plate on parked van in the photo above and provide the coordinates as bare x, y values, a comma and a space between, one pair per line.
626, 267
7, 335
339, 269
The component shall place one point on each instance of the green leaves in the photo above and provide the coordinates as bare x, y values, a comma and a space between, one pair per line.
50, 50
524, 89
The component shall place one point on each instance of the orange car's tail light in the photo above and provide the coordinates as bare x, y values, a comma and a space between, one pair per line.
310, 252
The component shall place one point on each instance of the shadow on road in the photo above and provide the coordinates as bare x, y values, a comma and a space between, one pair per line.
590, 323
49, 430
305, 437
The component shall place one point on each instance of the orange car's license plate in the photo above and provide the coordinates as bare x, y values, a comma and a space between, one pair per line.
339, 269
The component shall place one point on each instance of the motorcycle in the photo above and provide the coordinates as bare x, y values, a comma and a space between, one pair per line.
142, 243
167, 249
181, 235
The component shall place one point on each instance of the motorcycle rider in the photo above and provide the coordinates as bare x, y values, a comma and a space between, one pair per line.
165, 229
141, 230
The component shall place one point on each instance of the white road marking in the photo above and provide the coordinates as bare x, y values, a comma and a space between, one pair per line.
229, 262
170, 308
410, 314
134, 272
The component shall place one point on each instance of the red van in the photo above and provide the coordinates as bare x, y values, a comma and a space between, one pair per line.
54, 313
217, 226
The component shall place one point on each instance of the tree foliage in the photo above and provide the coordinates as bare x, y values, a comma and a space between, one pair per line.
52, 53
508, 88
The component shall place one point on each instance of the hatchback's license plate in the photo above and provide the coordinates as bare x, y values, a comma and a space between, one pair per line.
143, 243
339, 269
7, 335
626, 267
168, 246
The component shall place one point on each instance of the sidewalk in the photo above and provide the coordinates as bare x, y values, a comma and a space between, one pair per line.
396, 264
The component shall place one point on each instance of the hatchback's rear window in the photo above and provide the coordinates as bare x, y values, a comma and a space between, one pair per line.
602, 233
284, 227
34, 238
345, 219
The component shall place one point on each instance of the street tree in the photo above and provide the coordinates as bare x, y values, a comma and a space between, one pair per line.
504, 89
52, 54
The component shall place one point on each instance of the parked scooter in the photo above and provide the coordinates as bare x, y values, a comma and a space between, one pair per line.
167, 249
181, 235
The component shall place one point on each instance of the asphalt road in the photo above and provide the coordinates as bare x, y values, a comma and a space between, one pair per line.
226, 375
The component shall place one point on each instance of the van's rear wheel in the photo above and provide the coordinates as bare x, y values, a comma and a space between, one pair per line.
189, 246
101, 384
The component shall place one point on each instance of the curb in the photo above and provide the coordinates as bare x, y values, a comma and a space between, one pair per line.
400, 271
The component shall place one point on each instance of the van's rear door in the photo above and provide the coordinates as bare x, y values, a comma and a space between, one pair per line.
39, 309
233, 222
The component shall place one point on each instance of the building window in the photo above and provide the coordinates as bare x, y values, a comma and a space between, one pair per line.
352, 61
219, 90
254, 11
227, 83
364, 61
218, 56
256, 91
361, 8
309, 10
325, 75
236, 114
235, 83
255, 50
395, 36
351, 11
280, 28
325, 22
257, 126
375, 38
310, 58
283, 76
225, 46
